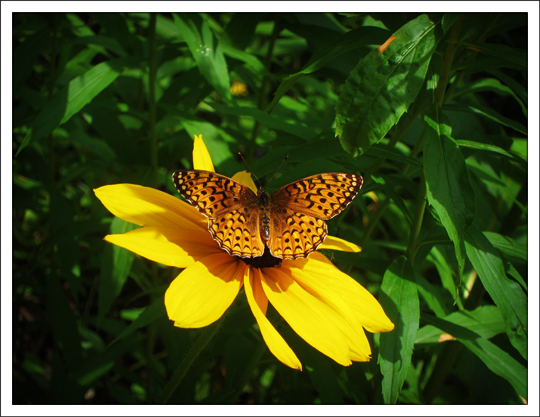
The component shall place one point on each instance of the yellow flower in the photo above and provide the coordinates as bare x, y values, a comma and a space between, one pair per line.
324, 306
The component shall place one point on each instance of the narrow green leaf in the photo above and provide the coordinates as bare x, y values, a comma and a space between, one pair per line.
489, 114
24, 57
493, 85
356, 38
291, 126
115, 266
399, 299
491, 148
496, 359
73, 97
150, 314
206, 51
514, 55
486, 321
507, 246
449, 189
383, 85
506, 294
62, 322
245, 57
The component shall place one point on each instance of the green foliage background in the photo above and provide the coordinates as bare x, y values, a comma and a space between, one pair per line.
436, 124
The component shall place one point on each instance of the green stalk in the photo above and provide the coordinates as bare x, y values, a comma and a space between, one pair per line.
448, 59
188, 361
154, 178
266, 80
152, 100
421, 201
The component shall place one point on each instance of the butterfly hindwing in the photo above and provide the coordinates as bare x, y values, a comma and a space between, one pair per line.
295, 235
237, 231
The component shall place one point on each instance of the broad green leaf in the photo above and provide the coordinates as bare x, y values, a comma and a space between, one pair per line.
356, 38
115, 266
449, 189
506, 294
383, 85
486, 321
73, 97
496, 359
399, 299
206, 51
150, 314
489, 114
387, 152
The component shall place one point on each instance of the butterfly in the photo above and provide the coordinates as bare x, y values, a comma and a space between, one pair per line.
290, 223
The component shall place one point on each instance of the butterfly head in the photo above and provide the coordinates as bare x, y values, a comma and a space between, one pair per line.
263, 196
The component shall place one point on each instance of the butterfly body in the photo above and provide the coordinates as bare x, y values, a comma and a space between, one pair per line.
289, 223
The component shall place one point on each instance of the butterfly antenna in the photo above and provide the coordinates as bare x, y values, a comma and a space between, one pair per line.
272, 177
245, 162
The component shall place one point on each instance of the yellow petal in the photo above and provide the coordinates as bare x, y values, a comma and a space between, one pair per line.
201, 157
258, 303
317, 279
335, 243
172, 247
244, 177
366, 308
149, 207
309, 317
203, 291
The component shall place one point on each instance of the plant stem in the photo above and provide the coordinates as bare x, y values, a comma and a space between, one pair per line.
266, 79
152, 100
448, 59
421, 201
188, 361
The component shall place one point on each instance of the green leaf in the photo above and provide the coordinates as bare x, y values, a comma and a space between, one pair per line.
493, 85
507, 246
506, 294
206, 51
383, 85
449, 189
115, 266
294, 127
486, 321
150, 314
73, 97
24, 56
491, 148
356, 38
496, 359
399, 300
489, 114
513, 55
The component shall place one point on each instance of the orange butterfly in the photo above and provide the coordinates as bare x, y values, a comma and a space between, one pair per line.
289, 223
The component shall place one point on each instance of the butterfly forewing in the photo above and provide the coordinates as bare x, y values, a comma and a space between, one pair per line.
212, 194
322, 196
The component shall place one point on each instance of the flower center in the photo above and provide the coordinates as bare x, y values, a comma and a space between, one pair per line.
267, 260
